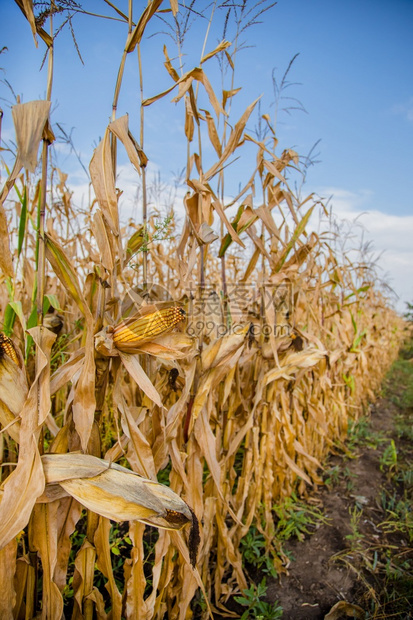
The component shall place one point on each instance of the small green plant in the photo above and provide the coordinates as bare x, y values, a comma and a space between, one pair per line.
258, 609
336, 473
388, 460
399, 517
162, 231
399, 383
356, 537
360, 435
254, 552
295, 517
332, 476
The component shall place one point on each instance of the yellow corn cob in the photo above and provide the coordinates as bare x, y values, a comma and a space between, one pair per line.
7, 348
135, 331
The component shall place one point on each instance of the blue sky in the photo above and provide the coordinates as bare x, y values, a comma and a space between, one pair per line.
353, 75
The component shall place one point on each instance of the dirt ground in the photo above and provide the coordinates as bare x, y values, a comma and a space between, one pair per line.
316, 580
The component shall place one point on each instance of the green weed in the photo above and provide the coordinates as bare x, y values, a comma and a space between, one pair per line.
295, 518
388, 460
356, 537
360, 435
254, 552
257, 608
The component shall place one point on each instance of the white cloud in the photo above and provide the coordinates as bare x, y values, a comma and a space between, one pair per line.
404, 109
391, 236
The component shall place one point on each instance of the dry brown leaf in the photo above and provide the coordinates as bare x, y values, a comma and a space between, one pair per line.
212, 133
234, 236
29, 123
132, 365
83, 577
67, 517
104, 240
43, 535
172, 346
7, 570
135, 37
103, 180
348, 609
233, 142
222, 349
120, 127
26, 483
104, 564
84, 401
220, 48
140, 454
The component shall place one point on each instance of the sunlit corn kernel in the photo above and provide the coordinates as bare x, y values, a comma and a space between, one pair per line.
135, 331
7, 348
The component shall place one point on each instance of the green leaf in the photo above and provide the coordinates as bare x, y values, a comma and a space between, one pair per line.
353, 322
65, 272
53, 302
9, 318
298, 231
22, 223
18, 310
32, 322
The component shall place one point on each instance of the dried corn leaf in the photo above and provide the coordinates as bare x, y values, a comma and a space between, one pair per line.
26, 6
7, 570
104, 564
233, 141
344, 608
220, 48
30, 120
63, 268
103, 180
132, 365
84, 401
6, 261
228, 94
293, 362
140, 454
104, 240
67, 517
212, 133
231, 230
221, 350
299, 230
26, 483
83, 578
171, 346
43, 536
198, 74
67, 371
136, 35
120, 127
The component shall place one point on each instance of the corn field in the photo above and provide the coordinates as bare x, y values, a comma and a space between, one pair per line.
165, 387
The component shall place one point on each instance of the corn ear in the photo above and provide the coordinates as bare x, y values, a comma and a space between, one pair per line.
119, 494
128, 334
7, 348
13, 386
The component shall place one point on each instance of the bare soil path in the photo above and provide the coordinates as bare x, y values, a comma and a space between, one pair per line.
355, 558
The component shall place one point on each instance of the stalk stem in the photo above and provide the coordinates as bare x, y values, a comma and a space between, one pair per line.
144, 192
41, 265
